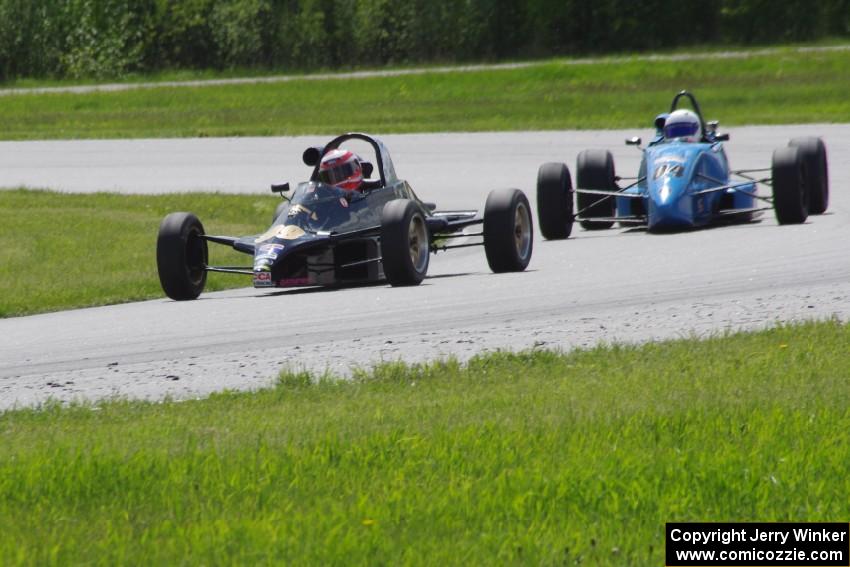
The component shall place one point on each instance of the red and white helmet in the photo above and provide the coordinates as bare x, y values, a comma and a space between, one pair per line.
341, 168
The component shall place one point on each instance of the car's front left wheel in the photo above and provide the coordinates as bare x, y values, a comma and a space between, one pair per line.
790, 195
405, 243
181, 256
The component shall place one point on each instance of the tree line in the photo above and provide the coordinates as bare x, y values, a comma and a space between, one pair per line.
111, 38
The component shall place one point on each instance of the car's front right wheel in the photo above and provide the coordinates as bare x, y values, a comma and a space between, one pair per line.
554, 201
181, 256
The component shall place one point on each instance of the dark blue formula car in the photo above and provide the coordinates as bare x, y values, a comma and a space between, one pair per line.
322, 235
684, 182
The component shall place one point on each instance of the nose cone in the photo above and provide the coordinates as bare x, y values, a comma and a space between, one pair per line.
670, 167
669, 206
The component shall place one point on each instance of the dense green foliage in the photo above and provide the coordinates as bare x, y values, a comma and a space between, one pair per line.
781, 88
107, 252
528, 459
102, 38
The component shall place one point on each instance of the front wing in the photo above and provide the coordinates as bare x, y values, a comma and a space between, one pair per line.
641, 220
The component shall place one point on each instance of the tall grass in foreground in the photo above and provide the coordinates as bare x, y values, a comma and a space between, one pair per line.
530, 458
60, 250
768, 89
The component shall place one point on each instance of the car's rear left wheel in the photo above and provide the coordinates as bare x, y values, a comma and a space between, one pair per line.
817, 175
508, 230
181, 256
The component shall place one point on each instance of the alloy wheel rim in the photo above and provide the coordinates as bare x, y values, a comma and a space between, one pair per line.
522, 230
417, 237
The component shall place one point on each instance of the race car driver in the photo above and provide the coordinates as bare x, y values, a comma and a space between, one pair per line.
341, 168
683, 125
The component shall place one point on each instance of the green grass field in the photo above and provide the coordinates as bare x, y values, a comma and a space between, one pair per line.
534, 458
781, 88
60, 251
170, 75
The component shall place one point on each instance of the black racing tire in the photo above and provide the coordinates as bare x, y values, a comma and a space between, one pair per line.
554, 201
817, 172
181, 256
508, 230
278, 210
595, 170
790, 197
405, 243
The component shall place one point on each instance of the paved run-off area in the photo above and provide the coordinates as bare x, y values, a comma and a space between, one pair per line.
596, 287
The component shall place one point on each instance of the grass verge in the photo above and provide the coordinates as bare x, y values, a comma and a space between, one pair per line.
61, 251
532, 458
169, 75
790, 87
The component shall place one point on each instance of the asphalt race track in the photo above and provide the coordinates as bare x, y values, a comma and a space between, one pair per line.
616, 285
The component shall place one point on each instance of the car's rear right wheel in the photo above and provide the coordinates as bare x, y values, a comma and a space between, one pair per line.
595, 170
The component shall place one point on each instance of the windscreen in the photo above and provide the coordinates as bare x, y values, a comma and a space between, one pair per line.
317, 207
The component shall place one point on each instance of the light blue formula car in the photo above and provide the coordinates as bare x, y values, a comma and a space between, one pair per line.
684, 182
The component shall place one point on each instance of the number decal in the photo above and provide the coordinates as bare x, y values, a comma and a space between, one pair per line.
671, 170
